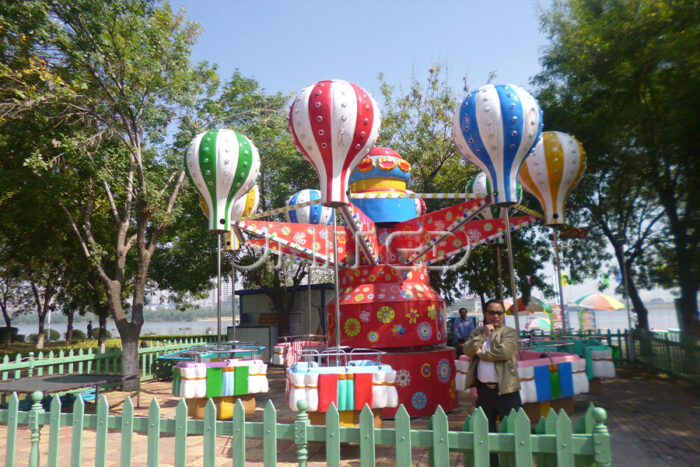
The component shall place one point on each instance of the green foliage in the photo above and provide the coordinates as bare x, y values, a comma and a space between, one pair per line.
97, 333
55, 335
77, 335
622, 76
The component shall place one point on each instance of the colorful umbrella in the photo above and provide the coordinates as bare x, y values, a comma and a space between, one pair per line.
334, 124
534, 305
599, 301
538, 323
551, 171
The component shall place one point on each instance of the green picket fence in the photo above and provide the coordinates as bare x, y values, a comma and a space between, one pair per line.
677, 355
554, 442
90, 361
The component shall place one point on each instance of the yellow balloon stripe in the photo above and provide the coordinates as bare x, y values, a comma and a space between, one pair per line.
555, 163
530, 183
377, 184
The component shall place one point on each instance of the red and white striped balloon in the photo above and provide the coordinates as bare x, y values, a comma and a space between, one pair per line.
334, 123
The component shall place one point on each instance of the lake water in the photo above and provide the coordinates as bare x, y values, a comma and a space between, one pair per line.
663, 317
169, 328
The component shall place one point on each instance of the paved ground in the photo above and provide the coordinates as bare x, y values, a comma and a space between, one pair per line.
652, 421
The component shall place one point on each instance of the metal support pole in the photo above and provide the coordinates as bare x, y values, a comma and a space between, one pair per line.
218, 291
308, 283
564, 317
500, 273
509, 245
335, 280
233, 300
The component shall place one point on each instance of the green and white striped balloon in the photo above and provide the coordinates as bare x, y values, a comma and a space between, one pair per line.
480, 186
222, 165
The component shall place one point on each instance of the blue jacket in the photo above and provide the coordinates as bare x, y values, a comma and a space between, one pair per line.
463, 328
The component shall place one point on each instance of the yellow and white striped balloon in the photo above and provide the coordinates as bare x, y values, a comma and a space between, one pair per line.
551, 170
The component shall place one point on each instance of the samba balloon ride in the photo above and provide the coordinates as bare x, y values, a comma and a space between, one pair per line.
382, 253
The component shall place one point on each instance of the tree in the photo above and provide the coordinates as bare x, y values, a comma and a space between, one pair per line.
628, 69
119, 73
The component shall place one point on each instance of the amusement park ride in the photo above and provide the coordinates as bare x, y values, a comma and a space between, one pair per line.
386, 327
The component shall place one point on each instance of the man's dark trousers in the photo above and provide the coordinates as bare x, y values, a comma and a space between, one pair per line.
494, 405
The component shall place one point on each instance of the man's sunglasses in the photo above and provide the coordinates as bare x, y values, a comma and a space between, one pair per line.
499, 313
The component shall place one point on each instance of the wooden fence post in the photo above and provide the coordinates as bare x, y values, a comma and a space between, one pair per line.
238, 441
34, 427
301, 425
270, 435
601, 438
30, 370
332, 436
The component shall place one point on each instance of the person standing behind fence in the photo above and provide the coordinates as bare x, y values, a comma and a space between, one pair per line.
493, 368
463, 327
89, 330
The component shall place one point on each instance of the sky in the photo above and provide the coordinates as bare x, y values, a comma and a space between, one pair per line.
288, 45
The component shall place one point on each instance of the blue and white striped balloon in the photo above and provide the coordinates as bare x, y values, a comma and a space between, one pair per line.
314, 214
495, 128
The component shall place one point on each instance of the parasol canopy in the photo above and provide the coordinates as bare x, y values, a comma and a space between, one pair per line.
538, 323
534, 305
599, 301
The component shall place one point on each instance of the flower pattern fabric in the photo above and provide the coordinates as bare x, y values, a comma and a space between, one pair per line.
425, 331
403, 378
386, 314
443, 371
352, 327
419, 400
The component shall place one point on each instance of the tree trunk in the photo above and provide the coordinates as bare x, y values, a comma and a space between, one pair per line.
128, 331
69, 327
688, 308
102, 318
8, 336
283, 307
638, 306
685, 254
626, 266
42, 308
130, 356
41, 337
